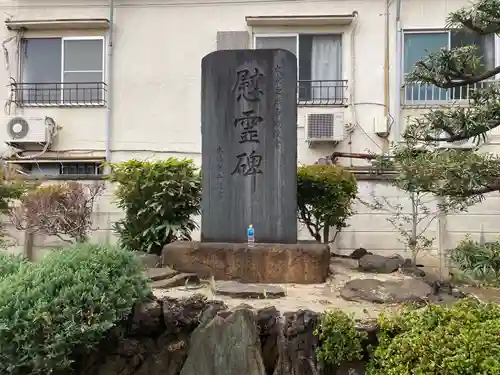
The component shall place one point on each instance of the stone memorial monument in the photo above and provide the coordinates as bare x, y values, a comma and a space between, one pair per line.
249, 146
249, 172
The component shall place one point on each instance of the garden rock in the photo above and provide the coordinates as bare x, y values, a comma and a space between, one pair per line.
380, 264
156, 274
150, 260
359, 253
239, 290
376, 291
226, 346
176, 280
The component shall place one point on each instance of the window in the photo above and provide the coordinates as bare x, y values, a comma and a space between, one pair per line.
417, 45
80, 168
320, 64
62, 71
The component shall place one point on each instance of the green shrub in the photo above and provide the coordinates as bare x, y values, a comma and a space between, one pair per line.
325, 194
10, 263
340, 340
461, 339
477, 262
159, 199
66, 302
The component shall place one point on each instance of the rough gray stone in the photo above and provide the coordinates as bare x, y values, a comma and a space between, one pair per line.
156, 274
226, 346
249, 146
175, 281
380, 264
376, 291
252, 291
150, 260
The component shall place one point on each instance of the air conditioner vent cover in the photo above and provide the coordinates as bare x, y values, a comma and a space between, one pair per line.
18, 128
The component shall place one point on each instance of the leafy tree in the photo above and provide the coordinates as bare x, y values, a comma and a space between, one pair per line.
325, 194
159, 199
459, 176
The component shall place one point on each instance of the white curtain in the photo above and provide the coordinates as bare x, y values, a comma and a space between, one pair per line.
326, 66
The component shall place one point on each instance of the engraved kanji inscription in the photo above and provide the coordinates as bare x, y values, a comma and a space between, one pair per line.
247, 85
248, 164
248, 123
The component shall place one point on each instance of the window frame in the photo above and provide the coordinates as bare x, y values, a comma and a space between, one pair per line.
63, 39
439, 31
297, 35
280, 35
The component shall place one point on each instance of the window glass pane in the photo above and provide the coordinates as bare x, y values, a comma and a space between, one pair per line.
284, 42
83, 55
41, 59
485, 43
83, 87
416, 47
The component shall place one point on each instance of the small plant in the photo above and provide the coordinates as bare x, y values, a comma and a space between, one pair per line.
159, 199
439, 339
325, 194
412, 225
10, 263
476, 262
340, 340
61, 210
65, 304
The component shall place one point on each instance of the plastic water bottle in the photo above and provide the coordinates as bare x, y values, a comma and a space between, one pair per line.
250, 236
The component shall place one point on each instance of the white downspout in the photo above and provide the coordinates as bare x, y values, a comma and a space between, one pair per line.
399, 74
109, 80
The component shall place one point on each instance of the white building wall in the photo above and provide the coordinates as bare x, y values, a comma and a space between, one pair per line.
158, 47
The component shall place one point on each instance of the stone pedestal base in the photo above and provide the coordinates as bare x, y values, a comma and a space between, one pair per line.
261, 263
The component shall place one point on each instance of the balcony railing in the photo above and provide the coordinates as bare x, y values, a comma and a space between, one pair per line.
418, 94
67, 94
322, 92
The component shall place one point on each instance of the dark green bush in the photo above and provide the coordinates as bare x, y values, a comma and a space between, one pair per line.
339, 337
461, 339
476, 262
10, 263
325, 194
159, 199
66, 302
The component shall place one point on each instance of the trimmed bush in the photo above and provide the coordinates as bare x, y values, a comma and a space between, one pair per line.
325, 194
66, 302
10, 263
458, 339
340, 339
159, 199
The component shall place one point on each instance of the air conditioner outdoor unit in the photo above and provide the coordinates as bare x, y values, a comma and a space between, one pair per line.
465, 144
325, 127
26, 130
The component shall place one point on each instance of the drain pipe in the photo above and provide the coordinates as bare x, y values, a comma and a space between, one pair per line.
110, 80
386, 61
399, 74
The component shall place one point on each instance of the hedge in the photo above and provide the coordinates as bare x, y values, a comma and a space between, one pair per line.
68, 301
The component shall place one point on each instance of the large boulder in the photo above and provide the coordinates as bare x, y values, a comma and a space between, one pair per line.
226, 346
376, 291
380, 264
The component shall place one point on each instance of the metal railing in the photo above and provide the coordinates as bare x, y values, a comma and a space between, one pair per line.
418, 94
322, 92
67, 94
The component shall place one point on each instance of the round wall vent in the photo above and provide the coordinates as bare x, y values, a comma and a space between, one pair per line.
18, 128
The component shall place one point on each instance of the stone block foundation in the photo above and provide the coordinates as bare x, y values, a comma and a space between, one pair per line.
262, 263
